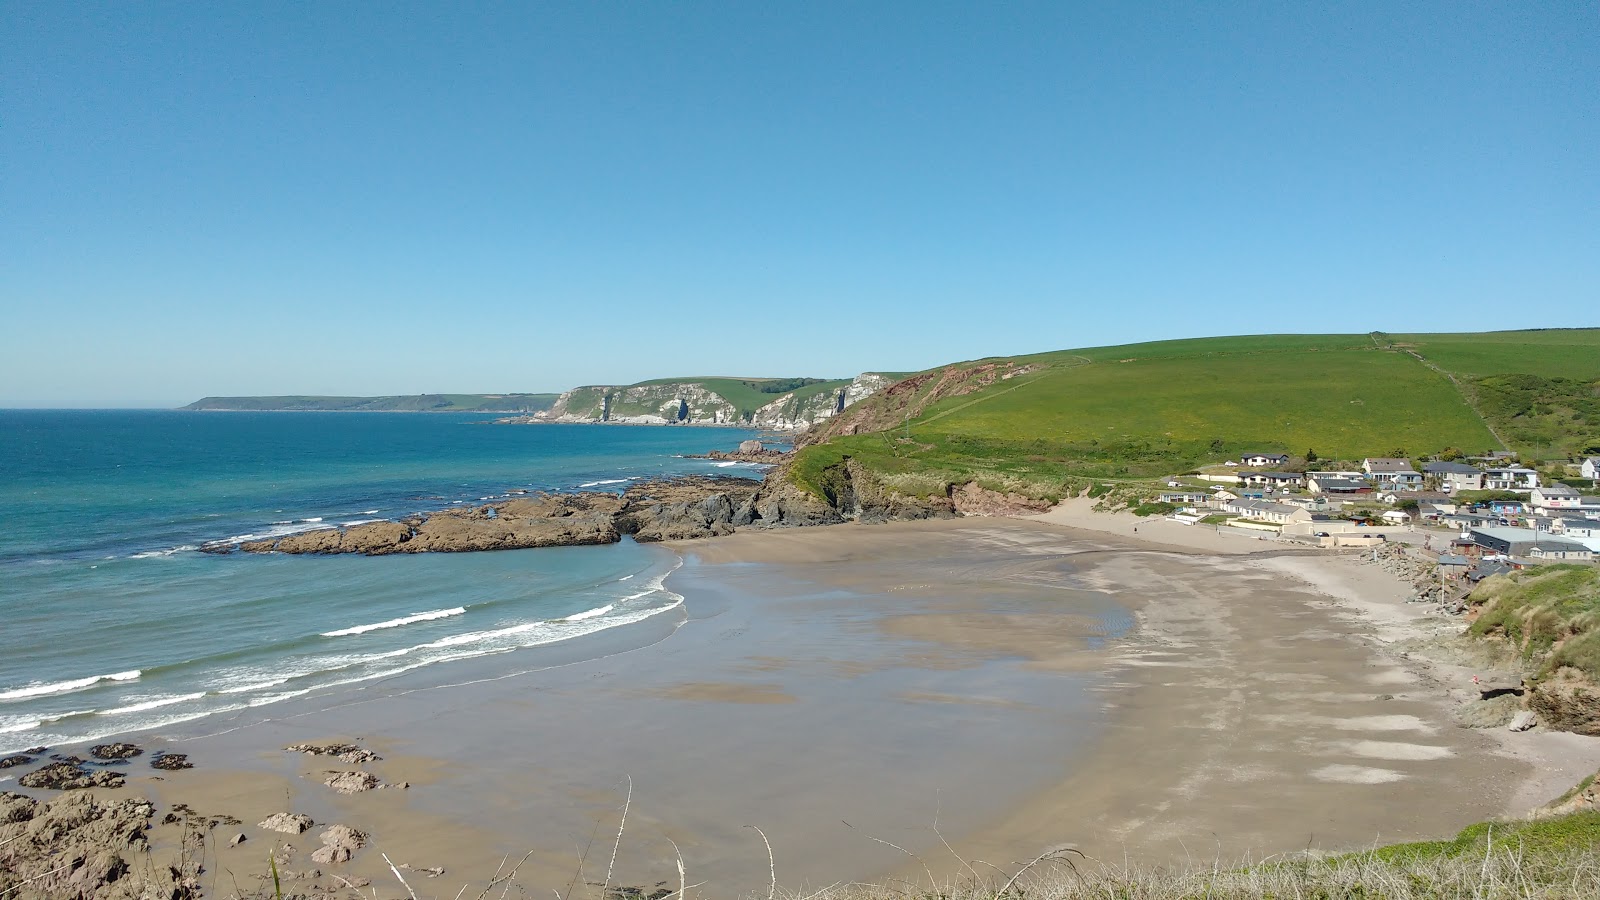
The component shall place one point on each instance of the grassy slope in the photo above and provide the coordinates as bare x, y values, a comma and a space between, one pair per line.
1539, 389
407, 403
1550, 614
1143, 410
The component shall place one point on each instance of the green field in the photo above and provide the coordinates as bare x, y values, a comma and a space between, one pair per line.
1138, 411
1547, 353
508, 403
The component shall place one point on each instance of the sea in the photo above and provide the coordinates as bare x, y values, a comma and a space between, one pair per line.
113, 621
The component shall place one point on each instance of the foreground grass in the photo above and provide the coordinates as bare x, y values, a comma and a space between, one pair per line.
1556, 857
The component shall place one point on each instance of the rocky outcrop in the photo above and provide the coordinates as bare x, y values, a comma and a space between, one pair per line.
658, 510
1567, 701
339, 843
82, 847
349, 753
114, 751
353, 782
69, 776
287, 823
972, 500
171, 762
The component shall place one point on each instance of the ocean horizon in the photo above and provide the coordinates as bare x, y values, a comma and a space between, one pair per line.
116, 622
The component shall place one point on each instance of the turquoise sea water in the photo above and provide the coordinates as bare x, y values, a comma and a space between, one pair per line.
112, 621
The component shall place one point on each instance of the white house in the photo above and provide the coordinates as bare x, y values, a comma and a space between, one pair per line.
1453, 476
1265, 511
1264, 459
1511, 478
1566, 551
1392, 473
1555, 496
1590, 468
1273, 479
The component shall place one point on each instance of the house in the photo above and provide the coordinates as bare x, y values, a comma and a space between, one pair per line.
1186, 498
1511, 478
1392, 473
1264, 459
1452, 564
1453, 476
1274, 479
1487, 569
1265, 511
1526, 542
1395, 516
1555, 496
1590, 468
1467, 520
1570, 528
1564, 551
1336, 483
1315, 503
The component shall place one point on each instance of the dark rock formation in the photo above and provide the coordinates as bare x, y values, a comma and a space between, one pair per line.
350, 753
66, 776
18, 760
171, 762
114, 751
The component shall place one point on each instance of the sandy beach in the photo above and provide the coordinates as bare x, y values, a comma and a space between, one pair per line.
998, 685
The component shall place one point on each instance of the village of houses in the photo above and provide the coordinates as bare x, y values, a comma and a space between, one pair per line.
1442, 511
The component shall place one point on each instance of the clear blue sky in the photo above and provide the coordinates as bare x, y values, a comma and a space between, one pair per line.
364, 198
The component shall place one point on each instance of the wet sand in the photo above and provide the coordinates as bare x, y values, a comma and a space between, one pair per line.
1000, 685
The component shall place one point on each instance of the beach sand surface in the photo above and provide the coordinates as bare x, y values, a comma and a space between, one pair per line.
975, 690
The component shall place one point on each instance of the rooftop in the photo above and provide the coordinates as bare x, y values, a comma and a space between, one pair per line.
1381, 464
1449, 468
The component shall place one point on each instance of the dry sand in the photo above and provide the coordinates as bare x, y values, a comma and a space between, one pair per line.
1003, 685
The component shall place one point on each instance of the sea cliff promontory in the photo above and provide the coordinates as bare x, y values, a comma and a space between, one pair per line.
779, 404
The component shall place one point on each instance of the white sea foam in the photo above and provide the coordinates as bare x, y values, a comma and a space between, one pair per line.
354, 522
253, 686
283, 529
724, 465
160, 554
12, 726
396, 623
154, 703
588, 614
605, 481
38, 689
369, 512
625, 578
312, 519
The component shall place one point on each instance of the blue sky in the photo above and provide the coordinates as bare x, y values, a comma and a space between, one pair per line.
359, 198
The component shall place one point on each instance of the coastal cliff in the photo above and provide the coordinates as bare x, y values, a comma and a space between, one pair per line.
762, 403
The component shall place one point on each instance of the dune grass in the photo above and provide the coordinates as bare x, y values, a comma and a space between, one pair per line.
1550, 615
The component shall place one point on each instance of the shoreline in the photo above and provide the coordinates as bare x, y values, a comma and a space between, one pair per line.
918, 651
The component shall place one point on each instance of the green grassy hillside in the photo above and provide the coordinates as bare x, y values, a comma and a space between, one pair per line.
524, 403
1539, 390
1035, 423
